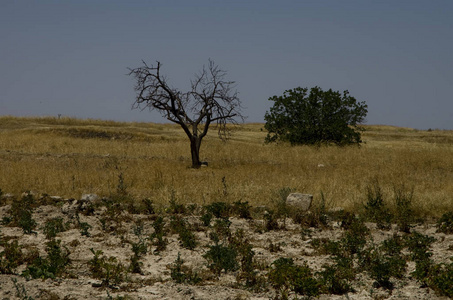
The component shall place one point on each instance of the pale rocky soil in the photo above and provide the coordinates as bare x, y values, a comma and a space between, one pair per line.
156, 282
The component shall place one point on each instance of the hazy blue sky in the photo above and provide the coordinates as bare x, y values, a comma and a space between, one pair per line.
71, 57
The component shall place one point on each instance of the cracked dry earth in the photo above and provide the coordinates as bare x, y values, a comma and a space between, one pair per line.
156, 282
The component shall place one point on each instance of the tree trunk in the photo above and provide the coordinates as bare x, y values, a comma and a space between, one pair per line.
195, 143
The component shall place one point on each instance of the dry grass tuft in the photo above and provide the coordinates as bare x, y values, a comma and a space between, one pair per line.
69, 157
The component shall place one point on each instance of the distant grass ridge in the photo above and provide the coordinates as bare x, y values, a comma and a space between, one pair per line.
70, 157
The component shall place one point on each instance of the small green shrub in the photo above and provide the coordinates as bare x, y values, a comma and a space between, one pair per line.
11, 257
186, 237
271, 222
158, 236
445, 223
54, 226
139, 249
325, 246
175, 207
112, 219
53, 265
354, 239
181, 274
375, 208
442, 280
243, 247
419, 245
279, 198
285, 276
222, 229
336, 279
21, 213
404, 214
108, 269
26, 221
384, 262
219, 209
6, 220
220, 258
206, 219
148, 206
242, 209
84, 227
273, 248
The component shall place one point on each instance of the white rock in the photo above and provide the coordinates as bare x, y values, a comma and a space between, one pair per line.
299, 201
89, 197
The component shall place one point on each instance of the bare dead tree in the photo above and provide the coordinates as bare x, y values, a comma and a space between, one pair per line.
211, 100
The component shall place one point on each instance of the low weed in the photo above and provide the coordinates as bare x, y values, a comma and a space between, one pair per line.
279, 200
53, 265
206, 219
375, 208
221, 229
270, 221
285, 276
186, 237
315, 218
337, 278
11, 257
419, 246
21, 292
242, 209
182, 274
404, 214
384, 262
442, 279
111, 219
219, 209
139, 249
107, 269
83, 226
54, 226
158, 236
243, 247
220, 258
274, 248
445, 223
175, 207
148, 206
354, 239
21, 213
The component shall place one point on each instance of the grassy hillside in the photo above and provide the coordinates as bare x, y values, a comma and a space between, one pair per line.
69, 157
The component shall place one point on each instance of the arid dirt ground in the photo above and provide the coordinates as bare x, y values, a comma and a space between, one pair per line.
115, 233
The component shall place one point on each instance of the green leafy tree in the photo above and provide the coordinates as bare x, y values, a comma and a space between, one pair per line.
301, 116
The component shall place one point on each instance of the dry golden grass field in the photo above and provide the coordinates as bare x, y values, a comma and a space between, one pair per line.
70, 157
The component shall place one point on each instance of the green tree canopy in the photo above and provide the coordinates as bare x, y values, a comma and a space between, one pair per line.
317, 117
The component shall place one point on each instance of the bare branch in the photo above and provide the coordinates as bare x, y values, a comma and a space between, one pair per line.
211, 99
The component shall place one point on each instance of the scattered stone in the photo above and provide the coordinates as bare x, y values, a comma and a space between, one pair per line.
335, 210
7, 196
89, 197
301, 202
73, 206
29, 193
